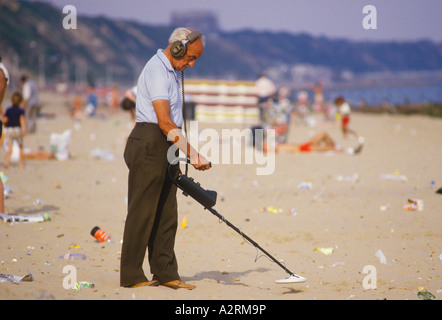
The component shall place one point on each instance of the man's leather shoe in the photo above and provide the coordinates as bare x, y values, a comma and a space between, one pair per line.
153, 283
178, 284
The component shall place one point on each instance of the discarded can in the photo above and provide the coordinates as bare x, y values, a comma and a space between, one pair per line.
101, 235
83, 284
414, 204
425, 295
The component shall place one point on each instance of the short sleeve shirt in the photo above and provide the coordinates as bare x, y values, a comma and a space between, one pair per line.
13, 114
158, 81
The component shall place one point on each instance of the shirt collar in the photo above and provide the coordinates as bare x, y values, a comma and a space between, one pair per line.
165, 61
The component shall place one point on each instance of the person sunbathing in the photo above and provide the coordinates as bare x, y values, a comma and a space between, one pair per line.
318, 143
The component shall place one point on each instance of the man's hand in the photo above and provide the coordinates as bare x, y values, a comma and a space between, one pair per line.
199, 162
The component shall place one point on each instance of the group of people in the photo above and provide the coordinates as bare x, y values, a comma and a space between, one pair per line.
276, 113
17, 119
20, 117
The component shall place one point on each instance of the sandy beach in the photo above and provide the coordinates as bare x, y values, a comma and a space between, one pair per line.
354, 209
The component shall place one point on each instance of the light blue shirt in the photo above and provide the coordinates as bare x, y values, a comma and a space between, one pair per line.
158, 81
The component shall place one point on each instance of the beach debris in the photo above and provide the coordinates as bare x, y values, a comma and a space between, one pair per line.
396, 176
292, 212
380, 255
305, 185
73, 256
83, 284
385, 207
59, 144
414, 204
326, 251
15, 279
353, 177
337, 263
424, 294
184, 223
3, 177
101, 235
439, 191
104, 154
31, 218
271, 209
7, 190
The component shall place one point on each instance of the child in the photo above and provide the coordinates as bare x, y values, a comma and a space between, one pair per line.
344, 111
15, 127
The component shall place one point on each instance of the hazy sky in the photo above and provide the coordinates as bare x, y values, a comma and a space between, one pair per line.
396, 19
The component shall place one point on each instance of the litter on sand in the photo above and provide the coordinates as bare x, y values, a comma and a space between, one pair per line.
271, 209
31, 218
184, 223
394, 177
380, 255
104, 154
83, 284
15, 279
414, 204
424, 294
326, 251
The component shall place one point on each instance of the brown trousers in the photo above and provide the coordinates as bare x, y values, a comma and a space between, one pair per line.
152, 217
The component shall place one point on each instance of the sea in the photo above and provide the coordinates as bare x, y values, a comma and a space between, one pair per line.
392, 95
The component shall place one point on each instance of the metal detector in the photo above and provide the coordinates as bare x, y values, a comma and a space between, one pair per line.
207, 198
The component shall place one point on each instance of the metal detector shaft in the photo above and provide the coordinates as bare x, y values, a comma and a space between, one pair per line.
216, 213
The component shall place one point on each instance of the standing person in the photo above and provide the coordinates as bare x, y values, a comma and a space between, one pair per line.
152, 217
15, 127
318, 104
92, 101
129, 102
266, 91
344, 111
114, 98
4, 81
30, 102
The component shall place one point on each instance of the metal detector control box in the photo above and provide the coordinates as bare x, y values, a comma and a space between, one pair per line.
206, 198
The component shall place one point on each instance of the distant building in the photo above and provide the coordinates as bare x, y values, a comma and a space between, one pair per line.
205, 21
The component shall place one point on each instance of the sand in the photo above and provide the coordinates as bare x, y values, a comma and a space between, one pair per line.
349, 208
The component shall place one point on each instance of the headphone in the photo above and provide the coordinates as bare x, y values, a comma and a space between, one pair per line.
179, 48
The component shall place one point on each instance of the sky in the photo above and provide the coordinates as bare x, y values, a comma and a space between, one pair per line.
398, 20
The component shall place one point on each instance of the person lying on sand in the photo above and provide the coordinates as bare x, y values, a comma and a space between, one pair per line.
318, 143
39, 155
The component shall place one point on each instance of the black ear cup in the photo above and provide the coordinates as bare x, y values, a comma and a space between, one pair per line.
179, 48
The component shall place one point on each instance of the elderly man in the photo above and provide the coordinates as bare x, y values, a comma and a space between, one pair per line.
152, 217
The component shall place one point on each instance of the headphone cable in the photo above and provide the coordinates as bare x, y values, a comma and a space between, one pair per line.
184, 116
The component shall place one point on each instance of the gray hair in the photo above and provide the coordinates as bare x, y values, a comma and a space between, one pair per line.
180, 34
